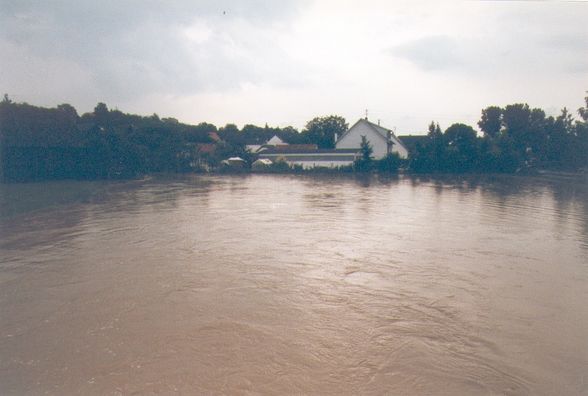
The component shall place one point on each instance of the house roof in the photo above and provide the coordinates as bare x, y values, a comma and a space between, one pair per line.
206, 148
214, 136
331, 157
264, 161
275, 140
254, 148
307, 150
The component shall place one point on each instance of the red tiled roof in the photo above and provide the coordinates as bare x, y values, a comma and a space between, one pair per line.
206, 148
214, 136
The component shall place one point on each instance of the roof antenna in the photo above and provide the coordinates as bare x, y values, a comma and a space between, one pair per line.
366, 114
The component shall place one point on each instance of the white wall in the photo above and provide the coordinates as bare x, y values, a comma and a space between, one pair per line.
352, 139
322, 164
399, 148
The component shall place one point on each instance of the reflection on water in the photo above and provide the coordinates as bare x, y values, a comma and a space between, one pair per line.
294, 285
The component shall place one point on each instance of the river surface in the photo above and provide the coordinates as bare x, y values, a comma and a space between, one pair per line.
294, 285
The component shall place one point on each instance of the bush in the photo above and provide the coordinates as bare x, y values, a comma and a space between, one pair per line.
389, 164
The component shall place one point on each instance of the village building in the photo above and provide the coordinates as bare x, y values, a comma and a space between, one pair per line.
382, 140
257, 148
347, 148
326, 158
234, 162
276, 141
260, 164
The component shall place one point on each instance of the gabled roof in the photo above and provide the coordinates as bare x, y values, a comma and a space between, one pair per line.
206, 148
275, 140
254, 148
303, 150
380, 130
214, 137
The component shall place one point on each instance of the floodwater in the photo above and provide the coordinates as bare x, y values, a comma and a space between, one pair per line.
294, 285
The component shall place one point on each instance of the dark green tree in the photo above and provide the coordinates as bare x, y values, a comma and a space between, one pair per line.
230, 133
321, 130
100, 109
389, 164
490, 122
583, 111
365, 162
437, 147
516, 119
461, 148
429, 156
581, 133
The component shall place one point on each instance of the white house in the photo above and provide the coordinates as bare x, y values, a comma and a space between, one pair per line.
274, 141
347, 148
311, 158
382, 140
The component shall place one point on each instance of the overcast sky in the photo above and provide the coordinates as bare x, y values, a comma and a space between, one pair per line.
285, 62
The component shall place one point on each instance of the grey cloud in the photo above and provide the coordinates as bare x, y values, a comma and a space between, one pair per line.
570, 49
133, 48
498, 55
533, 39
431, 53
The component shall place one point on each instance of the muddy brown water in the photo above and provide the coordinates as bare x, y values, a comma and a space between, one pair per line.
295, 285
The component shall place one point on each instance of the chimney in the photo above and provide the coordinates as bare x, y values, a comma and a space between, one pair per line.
378, 122
336, 137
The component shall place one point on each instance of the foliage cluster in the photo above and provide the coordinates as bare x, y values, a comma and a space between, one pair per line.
515, 138
39, 143
56, 143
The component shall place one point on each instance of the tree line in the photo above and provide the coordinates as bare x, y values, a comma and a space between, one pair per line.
56, 143
39, 143
515, 138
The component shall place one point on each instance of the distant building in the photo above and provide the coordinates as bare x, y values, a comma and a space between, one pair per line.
234, 162
214, 137
261, 164
205, 148
347, 148
253, 148
285, 148
311, 158
274, 141
382, 140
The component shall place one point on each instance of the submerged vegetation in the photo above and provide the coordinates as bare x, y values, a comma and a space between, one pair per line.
39, 143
